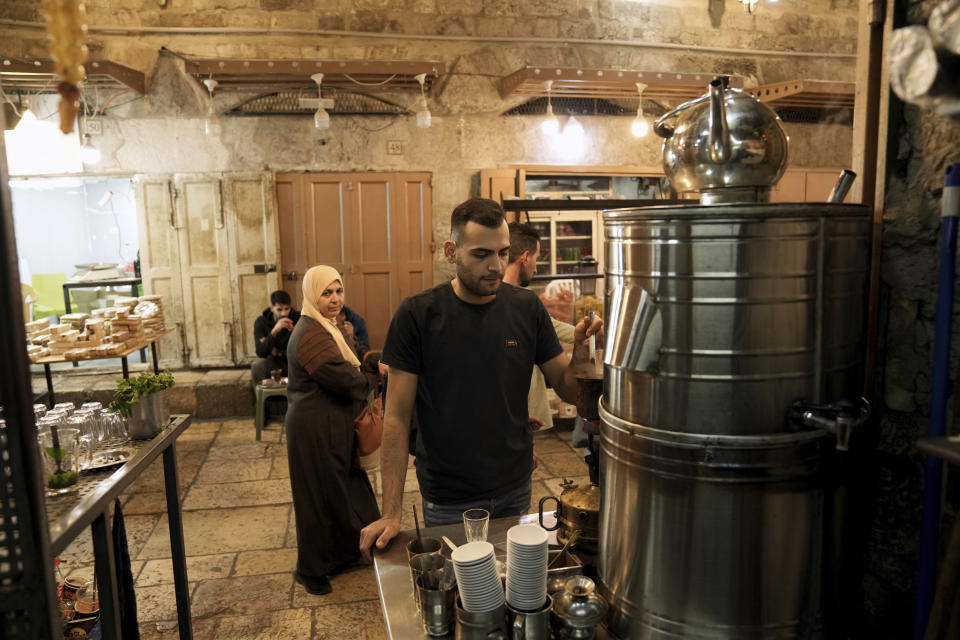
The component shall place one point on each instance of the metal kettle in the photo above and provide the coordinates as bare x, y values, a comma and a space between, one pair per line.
726, 144
578, 510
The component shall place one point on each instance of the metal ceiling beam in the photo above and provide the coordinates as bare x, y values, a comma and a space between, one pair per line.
807, 93
607, 83
39, 74
276, 75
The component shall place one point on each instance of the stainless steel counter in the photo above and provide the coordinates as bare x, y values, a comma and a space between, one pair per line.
393, 572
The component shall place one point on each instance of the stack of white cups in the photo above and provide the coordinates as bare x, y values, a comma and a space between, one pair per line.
477, 579
527, 554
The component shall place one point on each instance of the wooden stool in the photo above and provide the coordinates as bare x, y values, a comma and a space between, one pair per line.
263, 392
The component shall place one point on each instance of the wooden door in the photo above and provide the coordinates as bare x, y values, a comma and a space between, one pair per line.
160, 261
251, 221
204, 270
498, 184
374, 228
371, 282
311, 224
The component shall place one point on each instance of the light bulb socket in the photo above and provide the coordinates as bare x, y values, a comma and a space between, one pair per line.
321, 119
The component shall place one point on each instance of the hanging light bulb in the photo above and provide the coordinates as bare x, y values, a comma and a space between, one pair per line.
640, 127
89, 154
321, 119
550, 124
211, 125
424, 117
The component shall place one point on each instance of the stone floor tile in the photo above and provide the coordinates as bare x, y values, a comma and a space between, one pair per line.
238, 494
357, 621
143, 502
195, 440
550, 442
252, 449
135, 567
204, 425
222, 471
240, 423
251, 563
222, 531
356, 585
203, 629
244, 594
553, 484
199, 568
281, 468
563, 464
292, 624
157, 602
290, 540
229, 438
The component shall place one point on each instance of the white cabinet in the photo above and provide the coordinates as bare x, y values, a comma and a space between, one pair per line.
566, 237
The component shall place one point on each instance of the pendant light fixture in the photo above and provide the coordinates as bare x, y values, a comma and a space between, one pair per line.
211, 125
424, 118
640, 127
89, 154
321, 119
550, 124
749, 5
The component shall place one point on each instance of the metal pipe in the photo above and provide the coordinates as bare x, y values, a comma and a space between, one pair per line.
844, 182
818, 313
223, 31
933, 467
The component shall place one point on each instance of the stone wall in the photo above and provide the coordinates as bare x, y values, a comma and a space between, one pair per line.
162, 132
923, 144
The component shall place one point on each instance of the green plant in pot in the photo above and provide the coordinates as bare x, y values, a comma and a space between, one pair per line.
144, 401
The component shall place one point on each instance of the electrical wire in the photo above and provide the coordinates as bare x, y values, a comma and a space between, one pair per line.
369, 84
111, 99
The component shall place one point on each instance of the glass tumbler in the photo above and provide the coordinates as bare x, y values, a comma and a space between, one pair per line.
475, 523
61, 454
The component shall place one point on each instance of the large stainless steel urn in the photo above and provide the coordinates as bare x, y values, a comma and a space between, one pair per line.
720, 318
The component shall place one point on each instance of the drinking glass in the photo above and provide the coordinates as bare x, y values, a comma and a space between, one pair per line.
115, 425
69, 407
475, 523
61, 456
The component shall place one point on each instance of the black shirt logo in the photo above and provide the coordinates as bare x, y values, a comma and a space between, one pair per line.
510, 343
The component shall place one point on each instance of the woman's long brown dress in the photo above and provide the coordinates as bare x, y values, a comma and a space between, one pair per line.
332, 499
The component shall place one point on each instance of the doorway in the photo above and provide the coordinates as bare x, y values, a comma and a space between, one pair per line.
374, 228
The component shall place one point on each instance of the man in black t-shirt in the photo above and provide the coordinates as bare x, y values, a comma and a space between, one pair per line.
462, 354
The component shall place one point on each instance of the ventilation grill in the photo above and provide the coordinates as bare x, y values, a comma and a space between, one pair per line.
816, 116
288, 102
574, 106
588, 107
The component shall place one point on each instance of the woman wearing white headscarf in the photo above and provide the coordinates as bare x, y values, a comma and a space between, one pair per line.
327, 385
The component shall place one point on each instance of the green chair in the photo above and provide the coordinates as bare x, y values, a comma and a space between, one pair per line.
49, 288
263, 392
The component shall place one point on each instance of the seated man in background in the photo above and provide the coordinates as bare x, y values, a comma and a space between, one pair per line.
271, 331
356, 327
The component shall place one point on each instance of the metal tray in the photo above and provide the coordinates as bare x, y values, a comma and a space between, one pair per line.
109, 459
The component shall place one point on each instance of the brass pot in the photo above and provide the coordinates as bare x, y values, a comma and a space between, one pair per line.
578, 509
